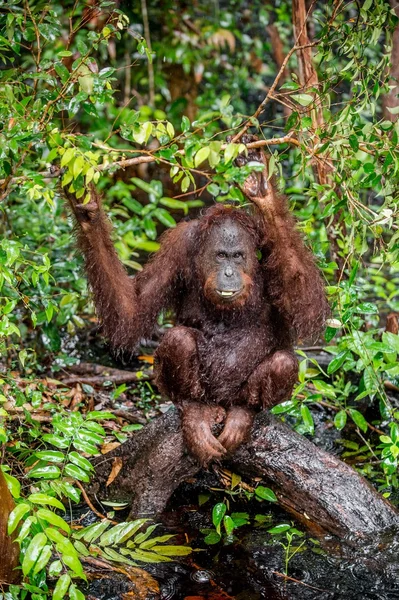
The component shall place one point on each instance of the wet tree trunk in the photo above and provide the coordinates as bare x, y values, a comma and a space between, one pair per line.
9, 550
391, 99
324, 493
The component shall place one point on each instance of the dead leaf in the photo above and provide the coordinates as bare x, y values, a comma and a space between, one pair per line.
105, 448
116, 467
147, 359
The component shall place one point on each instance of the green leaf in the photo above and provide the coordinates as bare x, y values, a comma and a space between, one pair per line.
43, 559
307, 418
367, 308
61, 587
185, 124
231, 152
33, 552
77, 473
146, 187
75, 593
212, 538
80, 461
51, 456
325, 388
55, 568
67, 156
143, 134
392, 340
78, 165
337, 362
142, 555
13, 485
303, 99
141, 537
279, 528
265, 493
164, 217
218, 512
201, 156
53, 519
156, 540
340, 420
120, 532
47, 472
228, 524
358, 419
172, 550
16, 515
92, 532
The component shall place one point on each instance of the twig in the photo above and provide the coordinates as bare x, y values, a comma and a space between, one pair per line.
151, 84
89, 503
297, 581
262, 105
127, 377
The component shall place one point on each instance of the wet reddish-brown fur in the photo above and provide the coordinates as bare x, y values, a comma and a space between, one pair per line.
238, 357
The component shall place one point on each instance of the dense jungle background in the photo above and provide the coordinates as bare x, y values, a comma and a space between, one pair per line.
138, 98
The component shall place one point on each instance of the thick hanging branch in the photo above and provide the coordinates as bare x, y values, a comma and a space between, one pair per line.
308, 78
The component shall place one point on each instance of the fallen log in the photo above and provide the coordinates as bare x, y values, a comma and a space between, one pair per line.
325, 494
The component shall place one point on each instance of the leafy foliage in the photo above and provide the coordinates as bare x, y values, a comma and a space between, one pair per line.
87, 96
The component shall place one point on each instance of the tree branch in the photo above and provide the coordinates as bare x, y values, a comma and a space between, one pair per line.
128, 162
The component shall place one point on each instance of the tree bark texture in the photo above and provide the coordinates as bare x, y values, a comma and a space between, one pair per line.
391, 99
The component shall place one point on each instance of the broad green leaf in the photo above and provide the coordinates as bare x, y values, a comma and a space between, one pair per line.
228, 524
92, 532
340, 420
303, 99
212, 538
77, 473
16, 515
358, 419
13, 485
120, 532
146, 556
141, 537
33, 552
282, 528
53, 519
156, 540
75, 593
146, 187
218, 512
51, 456
67, 156
61, 587
164, 217
185, 124
78, 165
55, 568
47, 472
265, 493
201, 156
337, 362
80, 461
172, 550
43, 559
230, 152
307, 418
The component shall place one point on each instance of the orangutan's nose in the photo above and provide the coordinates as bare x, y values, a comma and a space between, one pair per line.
228, 272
